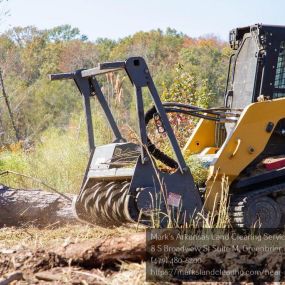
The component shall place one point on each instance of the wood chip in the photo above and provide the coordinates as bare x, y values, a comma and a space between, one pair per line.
10, 277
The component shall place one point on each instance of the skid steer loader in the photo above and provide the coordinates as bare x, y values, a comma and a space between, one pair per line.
243, 141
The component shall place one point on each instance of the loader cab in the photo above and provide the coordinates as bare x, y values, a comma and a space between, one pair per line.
257, 65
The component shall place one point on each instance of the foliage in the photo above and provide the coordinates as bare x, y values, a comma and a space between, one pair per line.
185, 89
184, 69
65, 33
58, 158
207, 59
28, 54
198, 170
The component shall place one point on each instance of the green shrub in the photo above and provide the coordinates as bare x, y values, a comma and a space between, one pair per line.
198, 169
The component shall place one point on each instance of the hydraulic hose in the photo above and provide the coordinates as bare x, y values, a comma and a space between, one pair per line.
213, 114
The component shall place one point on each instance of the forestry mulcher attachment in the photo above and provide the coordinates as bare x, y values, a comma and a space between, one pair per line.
112, 193
243, 141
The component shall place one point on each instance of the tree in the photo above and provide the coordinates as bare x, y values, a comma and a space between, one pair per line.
65, 33
28, 54
158, 49
22, 36
209, 58
76, 54
185, 89
32, 58
206, 59
104, 47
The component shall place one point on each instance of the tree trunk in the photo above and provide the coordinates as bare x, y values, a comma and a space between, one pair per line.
109, 250
75, 256
20, 207
9, 107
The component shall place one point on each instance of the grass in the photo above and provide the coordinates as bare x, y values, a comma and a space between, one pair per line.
219, 217
34, 238
59, 161
58, 157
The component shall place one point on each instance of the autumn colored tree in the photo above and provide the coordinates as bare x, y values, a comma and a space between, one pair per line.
206, 59
184, 69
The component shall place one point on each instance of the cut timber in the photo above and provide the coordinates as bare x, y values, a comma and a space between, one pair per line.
109, 250
82, 255
20, 207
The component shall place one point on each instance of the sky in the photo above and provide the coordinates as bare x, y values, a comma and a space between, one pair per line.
119, 18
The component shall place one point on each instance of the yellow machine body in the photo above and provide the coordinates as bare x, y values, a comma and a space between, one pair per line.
202, 138
246, 141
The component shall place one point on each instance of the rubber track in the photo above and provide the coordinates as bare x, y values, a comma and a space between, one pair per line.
238, 202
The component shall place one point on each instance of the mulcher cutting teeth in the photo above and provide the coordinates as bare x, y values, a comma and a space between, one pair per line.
104, 204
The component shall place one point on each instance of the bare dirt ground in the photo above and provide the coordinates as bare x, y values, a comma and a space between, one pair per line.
67, 255
80, 254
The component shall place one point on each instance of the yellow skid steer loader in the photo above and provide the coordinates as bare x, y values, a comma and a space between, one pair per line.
244, 141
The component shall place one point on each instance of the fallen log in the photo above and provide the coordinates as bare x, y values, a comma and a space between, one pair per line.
19, 207
89, 254
104, 251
